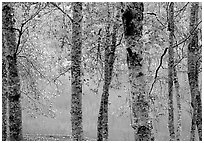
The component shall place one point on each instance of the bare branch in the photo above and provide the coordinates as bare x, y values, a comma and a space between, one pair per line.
180, 10
165, 50
157, 70
34, 15
154, 14
54, 4
21, 31
61, 74
32, 65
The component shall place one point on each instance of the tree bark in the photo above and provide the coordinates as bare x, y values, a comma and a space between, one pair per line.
11, 81
132, 23
102, 128
193, 66
76, 84
175, 77
170, 75
179, 111
4, 98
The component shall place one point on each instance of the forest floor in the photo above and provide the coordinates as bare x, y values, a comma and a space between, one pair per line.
40, 137
59, 128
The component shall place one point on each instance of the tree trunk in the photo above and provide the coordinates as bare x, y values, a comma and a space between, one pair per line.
11, 78
170, 75
102, 128
179, 111
176, 84
76, 100
4, 98
132, 22
193, 66
199, 116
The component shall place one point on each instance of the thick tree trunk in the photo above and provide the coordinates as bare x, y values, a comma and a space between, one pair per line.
11, 79
102, 128
193, 66
76, 101
132, 22
170, 75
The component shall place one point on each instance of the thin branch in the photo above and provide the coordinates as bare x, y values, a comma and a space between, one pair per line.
34, 15
180, 10
157, 70
54, 79
32, 65
19, 39
165, 50
21, 31
11, 28
54, 4
190, 34
154, 14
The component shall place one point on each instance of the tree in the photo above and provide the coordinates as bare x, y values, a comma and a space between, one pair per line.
102, 126
178, 98
132, 23
76, 101
171, 71
193, 66
4, 79
11, 81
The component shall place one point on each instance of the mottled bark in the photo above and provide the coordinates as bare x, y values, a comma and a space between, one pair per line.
170, 74
193, 66
175, 77
76, 84
102, 126
179, 111
199, 116
4, 99
132, 22
11, 81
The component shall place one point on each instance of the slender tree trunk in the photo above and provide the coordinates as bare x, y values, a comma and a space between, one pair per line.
171, 71
193, 66
179, 111
132, 22
76, 101
4, 98
199, 116
176, 84
102, 128
11, 78
170, 75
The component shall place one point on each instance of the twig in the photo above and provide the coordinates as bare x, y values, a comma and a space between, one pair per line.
154, 14
61, 74
21, 31
32, 65
54, 4
182, 9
